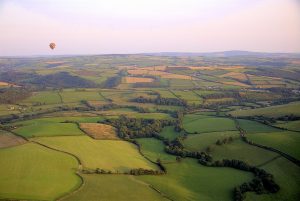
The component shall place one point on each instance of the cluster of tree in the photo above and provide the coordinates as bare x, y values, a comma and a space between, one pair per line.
13, 95
263, 181
226, 140
178, 123
56, 80
227, 94
112, 82
136, 128
176, 147
161, 101
141, 171
290, 117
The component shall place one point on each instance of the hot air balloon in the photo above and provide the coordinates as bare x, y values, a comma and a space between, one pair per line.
52, 45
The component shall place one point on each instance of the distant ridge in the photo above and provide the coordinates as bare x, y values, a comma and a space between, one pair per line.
232, 53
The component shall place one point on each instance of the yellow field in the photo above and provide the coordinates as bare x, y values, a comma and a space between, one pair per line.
235, 75
99, 131
212, 67
5, 84
236, 84
55, 62
130, 80
162, 74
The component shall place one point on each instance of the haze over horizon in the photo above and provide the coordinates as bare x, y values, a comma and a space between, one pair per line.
139, 26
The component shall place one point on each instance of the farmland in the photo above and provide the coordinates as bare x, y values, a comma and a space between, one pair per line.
150, 127
86, 148
38, 181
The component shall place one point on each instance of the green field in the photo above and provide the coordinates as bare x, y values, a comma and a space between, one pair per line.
169, 133
114, 155
70, 96
203, 124
47, 127
189, 96
291, 125
188, 180
242, 151
114, 188
287, 175
34, 172
47, 97
256, 127
287, 142
154, 149
199, 142
273, 111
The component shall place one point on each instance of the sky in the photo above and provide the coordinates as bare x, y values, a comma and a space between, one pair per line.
138, 26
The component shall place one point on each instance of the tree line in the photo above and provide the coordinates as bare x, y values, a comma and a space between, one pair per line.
129, 128
161, 101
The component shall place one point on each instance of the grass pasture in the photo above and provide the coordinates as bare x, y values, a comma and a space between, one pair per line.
273, 111
99, 131
47, 97
256, 127
242, 151
291, 125
114, 188
188, 180
287, 175
287, 142
114, 155
47, 127
169, 133
203, 124
154, 149
189, 96
70, 96
33, 172
199, 142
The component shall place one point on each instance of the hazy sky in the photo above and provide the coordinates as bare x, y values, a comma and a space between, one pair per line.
133, 26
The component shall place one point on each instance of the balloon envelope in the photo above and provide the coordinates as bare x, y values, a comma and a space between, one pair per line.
52, 45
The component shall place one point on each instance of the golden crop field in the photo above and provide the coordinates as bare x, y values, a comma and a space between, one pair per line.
235, 75
131, 80
99, 131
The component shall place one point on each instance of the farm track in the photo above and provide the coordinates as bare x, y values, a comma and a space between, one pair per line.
269, 161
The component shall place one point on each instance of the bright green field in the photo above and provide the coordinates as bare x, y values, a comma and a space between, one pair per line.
242, 151
47, 127
189, 96
256, 127
77, 96
287, 142
199, 142
287, 175
47, 97
114, 155
188, 180
169, 133
291, 125
34, 172
154, 149
273, 111
209, 124
114, 188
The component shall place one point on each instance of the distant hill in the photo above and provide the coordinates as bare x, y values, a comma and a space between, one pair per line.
233, 53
